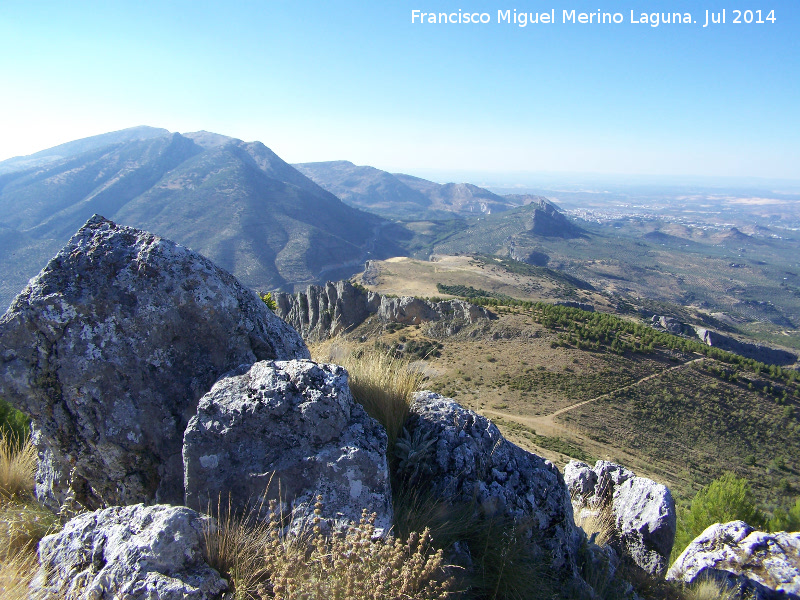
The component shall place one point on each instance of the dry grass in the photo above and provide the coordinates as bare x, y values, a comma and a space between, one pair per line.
23, 522
16, 572
595, 521
710, 589
17, 467
261, 562
381, 383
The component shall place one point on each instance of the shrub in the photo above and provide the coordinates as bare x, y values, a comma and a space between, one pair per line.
261, 561
786, 519
13, 423
728, 498
266, 298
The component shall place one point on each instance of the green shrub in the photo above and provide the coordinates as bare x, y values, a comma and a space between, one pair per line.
267, 298
13, 423
728, 498
786, 520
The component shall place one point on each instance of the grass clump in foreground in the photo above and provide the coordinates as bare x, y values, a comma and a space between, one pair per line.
262, 562
382, 383
23, 522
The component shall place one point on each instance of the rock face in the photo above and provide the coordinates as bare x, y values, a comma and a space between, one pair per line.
462, 457
765, 354
643, 510
764, 565
109, 349
325, 311
136, 552
287, 430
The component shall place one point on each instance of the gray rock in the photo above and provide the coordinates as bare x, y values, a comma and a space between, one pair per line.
645, 521
326, 311
287, 431
109, 349
134, 552
761, 565
580, 478
465, 459
643, 511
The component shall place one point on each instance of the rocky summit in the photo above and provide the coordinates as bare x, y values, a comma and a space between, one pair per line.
110, 348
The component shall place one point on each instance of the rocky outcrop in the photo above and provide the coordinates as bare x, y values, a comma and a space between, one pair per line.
134, 552
765, 566
288, 431
322, 312
671, 325
110, 348
643, 511
461, 457
765, 354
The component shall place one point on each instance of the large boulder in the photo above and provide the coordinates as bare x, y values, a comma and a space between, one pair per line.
645, 520
764, 566
134, 552
461, 457
110, 348
643, 511
289, 431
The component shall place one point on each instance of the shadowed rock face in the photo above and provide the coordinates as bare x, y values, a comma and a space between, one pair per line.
110, 348
288, 431
764, 566
462, 457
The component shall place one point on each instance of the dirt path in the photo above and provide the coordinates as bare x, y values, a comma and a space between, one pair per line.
546, 424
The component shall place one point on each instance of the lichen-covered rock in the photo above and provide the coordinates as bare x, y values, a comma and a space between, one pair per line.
287, 430
645, 520
644, 512
466, 459
134, 552
761, 565
109, 349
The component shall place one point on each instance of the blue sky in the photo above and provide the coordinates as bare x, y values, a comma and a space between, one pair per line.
358, 81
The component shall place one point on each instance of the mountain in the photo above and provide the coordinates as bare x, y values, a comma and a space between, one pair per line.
399, 195
237, 203
76, 147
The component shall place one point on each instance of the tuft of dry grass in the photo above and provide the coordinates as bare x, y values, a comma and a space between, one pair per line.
710, 589
380, 382
595, 521
16, 572
17, 467
261, 561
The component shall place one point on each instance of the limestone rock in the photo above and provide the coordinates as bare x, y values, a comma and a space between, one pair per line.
645, 520
109, 349
134, 552
644, 511
464, 458
288, 428
763, 565
325, 311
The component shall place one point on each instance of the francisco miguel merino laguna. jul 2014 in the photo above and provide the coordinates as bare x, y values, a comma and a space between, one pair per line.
523, 19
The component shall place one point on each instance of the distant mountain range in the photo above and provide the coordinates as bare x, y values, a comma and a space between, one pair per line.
237, 203
406, 196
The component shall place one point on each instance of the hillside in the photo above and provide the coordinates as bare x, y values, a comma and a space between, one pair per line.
400, 195
237, 203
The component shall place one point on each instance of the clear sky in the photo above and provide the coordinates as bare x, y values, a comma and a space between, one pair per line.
359, 81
